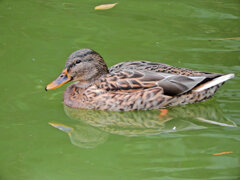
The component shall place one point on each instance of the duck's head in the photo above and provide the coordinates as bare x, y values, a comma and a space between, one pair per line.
84, 65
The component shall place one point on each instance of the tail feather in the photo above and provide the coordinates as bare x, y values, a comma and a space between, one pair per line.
213, 82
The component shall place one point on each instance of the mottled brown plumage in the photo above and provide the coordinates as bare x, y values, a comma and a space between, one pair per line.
133, 85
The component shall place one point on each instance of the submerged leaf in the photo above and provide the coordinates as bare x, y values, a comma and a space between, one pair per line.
105, 6
221, 39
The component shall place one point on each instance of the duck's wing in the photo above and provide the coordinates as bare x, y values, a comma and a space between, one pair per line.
134, 80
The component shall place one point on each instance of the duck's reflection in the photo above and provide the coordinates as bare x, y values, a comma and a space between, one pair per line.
81, 134
91, 128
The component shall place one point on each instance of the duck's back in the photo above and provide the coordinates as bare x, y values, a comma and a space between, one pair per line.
159, 68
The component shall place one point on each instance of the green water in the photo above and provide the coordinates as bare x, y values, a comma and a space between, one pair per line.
36, 36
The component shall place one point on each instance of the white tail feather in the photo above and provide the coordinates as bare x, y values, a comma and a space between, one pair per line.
213, 82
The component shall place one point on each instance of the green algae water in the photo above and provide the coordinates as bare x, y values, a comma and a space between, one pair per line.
40, 138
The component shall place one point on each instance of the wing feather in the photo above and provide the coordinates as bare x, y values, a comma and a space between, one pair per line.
128, 80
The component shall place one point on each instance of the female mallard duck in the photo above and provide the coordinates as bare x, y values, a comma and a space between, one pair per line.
132, 85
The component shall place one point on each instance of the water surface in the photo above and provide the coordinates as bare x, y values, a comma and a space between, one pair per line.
36, 36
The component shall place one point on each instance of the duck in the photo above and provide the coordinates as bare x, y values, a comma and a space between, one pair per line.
132, 85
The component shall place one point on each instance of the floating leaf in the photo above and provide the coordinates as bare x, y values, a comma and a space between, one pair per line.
222, 153
105, 6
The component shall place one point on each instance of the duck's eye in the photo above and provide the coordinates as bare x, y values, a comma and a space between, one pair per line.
78, 61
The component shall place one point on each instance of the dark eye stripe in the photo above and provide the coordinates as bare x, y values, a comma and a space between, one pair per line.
89, 59
78, 61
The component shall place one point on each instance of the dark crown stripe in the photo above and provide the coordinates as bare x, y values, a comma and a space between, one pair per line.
87, 53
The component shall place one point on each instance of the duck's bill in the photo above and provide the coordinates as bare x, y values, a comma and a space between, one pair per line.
62, 79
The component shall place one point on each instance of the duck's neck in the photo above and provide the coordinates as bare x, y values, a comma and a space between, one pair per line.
86, 84
93, 76
83, 84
